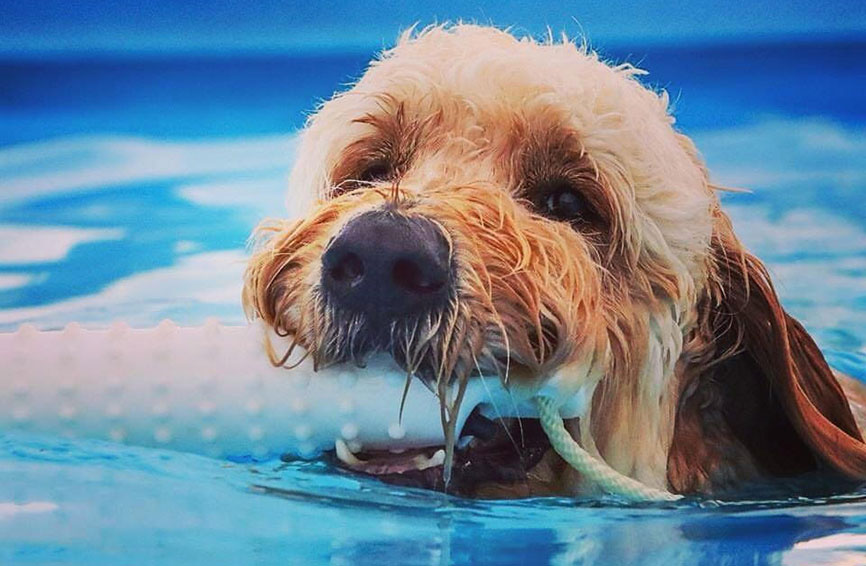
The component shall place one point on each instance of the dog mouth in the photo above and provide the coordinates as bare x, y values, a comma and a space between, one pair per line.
488, 451
497, 443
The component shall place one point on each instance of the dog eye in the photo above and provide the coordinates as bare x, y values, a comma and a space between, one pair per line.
561, 201
376, 171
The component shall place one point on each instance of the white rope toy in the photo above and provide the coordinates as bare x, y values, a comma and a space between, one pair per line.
593, 469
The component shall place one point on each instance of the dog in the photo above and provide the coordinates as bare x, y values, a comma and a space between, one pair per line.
482, 204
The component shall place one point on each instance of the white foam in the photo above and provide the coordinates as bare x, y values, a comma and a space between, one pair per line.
10, 510
10, 281
795, 231
241, 192
780, 154
198, 284
261, 195
92, 163
841, 549
28, 244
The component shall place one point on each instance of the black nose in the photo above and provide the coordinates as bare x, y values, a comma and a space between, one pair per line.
386, 265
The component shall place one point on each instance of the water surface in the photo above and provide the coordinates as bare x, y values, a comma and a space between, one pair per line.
128, 188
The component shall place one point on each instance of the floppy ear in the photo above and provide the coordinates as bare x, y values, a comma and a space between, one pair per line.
757, 397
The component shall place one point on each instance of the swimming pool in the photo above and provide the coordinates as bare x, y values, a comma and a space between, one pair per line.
128, 188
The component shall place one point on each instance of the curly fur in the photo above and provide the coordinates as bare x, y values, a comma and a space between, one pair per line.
470, 121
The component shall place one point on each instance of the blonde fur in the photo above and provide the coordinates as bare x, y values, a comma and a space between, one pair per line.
466, 115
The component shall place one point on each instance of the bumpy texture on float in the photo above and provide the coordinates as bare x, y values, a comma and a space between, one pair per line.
209, 390
212, 390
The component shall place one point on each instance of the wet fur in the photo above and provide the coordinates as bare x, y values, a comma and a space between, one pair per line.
701, 381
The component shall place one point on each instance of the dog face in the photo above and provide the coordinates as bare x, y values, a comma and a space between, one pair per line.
479, 204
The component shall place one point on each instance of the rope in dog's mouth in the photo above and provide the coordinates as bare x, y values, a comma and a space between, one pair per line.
594, 471
591, 468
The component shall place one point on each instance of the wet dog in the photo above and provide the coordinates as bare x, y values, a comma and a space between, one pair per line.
478, 204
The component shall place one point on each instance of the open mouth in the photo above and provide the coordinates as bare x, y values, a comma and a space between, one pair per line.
396, 433
500, 451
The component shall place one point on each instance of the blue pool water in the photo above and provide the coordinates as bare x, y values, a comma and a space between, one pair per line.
128, 188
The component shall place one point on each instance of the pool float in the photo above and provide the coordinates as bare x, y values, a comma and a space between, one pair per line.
213, 390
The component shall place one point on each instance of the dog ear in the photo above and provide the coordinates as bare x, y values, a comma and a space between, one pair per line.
757, 397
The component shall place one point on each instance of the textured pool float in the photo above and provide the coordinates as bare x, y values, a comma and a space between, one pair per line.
212, 390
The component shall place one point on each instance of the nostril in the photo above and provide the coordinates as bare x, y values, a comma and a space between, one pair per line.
349, 270
409, 275
384, 265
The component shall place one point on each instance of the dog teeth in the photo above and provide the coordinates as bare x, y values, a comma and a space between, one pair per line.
345, 455
396, 450
437, 459
419, 462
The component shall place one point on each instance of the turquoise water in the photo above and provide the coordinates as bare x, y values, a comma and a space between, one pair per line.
127, 191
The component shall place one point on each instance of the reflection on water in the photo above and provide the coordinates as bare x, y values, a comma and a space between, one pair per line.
102, 504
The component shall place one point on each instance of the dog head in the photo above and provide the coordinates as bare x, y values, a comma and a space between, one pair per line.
479, 204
